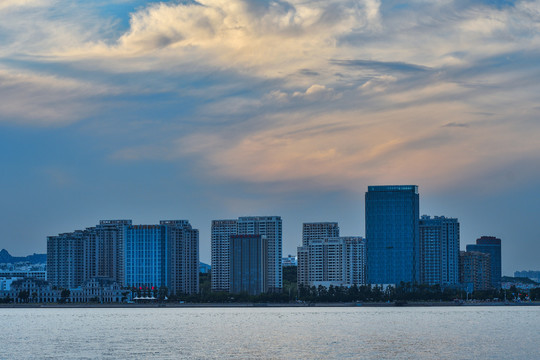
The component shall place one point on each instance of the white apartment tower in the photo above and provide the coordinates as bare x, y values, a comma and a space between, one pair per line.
221, 232
319, 230
310, 232
338, 261
439, 250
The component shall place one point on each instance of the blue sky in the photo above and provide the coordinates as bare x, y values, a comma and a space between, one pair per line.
223, 108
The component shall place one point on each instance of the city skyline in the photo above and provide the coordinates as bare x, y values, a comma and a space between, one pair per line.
215, 109
463, 246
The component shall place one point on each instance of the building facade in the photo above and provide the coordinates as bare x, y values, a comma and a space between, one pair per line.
65, 259
183, 256
318, 231
129, 255
269, 227
109, 250
439, 250
146, 261
533, 275
248, 264
492, 246
220, 234
392, 234
475, 270
339, 261
290, 260
32, 290
34, 274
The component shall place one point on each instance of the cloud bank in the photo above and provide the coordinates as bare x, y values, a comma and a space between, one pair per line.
332, 93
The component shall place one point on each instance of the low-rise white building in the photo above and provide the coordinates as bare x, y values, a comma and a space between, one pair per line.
101, 290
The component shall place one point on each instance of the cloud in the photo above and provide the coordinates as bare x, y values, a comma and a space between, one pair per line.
38, 99
7, 5
316, 92
456, 124
339, 90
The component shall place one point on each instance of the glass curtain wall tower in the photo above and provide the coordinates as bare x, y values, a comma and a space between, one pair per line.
392, 234
248, 264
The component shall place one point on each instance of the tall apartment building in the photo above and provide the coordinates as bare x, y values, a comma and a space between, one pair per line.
99, 253
104, 250
439, 250
310, 232
65, 259
492, 246
146, 261
248, 264
355, 260
302, 271
132, 255
183, 254
392, 234
220, 234
319, 230
110, 249
475, 269
269, 227
338, 261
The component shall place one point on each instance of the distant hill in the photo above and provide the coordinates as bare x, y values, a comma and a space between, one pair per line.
5, 257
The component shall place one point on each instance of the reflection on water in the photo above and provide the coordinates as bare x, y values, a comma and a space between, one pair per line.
271, 333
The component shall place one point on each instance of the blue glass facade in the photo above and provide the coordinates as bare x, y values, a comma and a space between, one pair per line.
146, 260
248, 264
392, 234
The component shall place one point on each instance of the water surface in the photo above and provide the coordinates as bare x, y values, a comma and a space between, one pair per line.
271, 333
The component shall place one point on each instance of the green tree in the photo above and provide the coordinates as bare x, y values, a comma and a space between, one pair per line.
23, 295
163, 291
64, 295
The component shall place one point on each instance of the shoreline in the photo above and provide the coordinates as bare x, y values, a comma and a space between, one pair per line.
258, 305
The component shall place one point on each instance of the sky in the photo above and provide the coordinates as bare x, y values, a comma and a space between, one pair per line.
215, 109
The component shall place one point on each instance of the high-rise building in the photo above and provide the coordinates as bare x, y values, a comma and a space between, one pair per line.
492, 246
162, 255
310, 232
183, 254
392, 234
104, 250
475, 269
146, 261
248, 264
221, 231
132, 255
269, 227
339, 261
355, 260
302, 271
65, 259
319, 230
439, 250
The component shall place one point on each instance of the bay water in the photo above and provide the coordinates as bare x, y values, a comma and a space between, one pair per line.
467, 332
